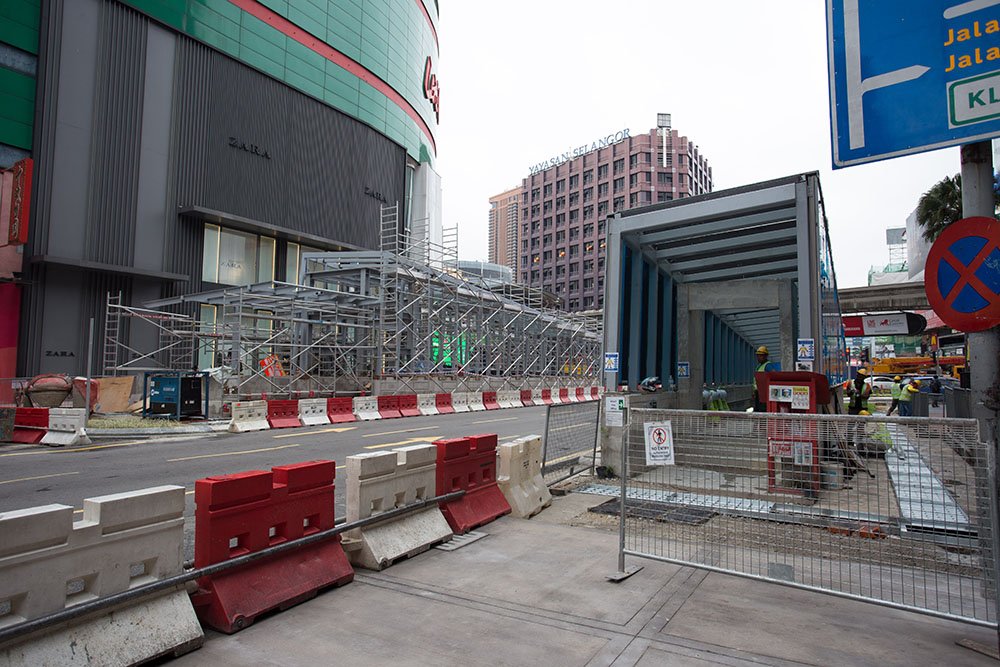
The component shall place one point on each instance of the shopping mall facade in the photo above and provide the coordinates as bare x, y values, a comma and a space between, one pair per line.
179, 146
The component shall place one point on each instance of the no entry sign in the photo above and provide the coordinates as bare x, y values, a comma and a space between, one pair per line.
962, 276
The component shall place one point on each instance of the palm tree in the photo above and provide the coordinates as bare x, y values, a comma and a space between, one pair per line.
940, 206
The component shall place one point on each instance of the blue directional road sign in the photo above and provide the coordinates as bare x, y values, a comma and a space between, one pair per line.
909, 76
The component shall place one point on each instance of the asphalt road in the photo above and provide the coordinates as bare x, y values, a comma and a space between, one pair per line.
32, 475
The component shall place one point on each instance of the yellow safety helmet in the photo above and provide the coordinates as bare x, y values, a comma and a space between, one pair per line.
897, 379
865, 413
915, 383
762, 350
912, 389
862, 371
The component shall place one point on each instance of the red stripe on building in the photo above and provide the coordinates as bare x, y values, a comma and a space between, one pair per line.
423, 8
289, 29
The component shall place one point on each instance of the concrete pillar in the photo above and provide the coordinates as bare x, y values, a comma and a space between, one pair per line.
787, 320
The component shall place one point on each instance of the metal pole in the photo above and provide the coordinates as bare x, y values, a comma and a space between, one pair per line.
983, 348
622, 474
90, 365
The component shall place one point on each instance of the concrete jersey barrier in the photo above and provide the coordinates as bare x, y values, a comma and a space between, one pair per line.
509, 399
249, 416
519, 474
475, 400
381, 481
366, 408
427, 404
460, 402
49, 563
313, 411
67, 426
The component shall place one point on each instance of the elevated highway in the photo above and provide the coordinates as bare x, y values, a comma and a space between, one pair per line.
904, 296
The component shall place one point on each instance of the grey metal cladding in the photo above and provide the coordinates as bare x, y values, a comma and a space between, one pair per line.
117, 136
250, 146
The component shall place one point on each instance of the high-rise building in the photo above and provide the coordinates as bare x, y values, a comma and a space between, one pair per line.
567, 199
504, 210
182, 146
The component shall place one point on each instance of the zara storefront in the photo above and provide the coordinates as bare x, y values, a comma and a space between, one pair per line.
184, 145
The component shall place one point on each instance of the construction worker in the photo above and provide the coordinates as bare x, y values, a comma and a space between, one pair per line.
895, 390
859, 391
763, 366
906, 398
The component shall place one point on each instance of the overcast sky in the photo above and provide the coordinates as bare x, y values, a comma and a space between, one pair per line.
746, 81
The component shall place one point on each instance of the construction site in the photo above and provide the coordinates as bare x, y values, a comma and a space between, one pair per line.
400, 319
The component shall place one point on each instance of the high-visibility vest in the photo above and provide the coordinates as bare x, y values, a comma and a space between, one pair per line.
896, 389
905, 395
761, 368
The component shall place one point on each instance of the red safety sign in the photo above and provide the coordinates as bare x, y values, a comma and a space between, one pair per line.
962, 275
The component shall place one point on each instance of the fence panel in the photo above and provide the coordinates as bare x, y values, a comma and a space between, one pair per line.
570, 445
898, 511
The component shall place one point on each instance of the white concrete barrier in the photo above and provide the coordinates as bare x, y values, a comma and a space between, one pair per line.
509, 399
475, 400
366, 408
67, 426
312, 411
381, 481
48, 563
519, 474
427, 404
573, 398
460, 401
249, 416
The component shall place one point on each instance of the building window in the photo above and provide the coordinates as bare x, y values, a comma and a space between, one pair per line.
547, 190
574, 181
619, 166
547, 223
560, 219
574, 285
293, 255
560, 202
560, 236
560, 269
535, 259
574, 304
633, 180
664, 178
619, 184
588, 230
588, 302
561, 186
574, 215
236, 258
633, 199
602, 190
547, 256
574, 198
574, 268
602, 208
619, 203
588, 212
588, 283
588, 176
547, 207
602, 171
561, 253
534, 194
588, 266
574, 233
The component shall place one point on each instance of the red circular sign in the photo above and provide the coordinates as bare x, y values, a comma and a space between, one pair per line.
962, 276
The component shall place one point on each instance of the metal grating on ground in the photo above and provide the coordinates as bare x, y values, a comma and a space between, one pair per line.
923, 500
724, 503
459, 541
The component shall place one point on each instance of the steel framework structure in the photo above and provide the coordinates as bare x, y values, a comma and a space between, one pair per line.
402, 316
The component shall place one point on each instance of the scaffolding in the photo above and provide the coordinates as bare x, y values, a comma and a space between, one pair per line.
401, 319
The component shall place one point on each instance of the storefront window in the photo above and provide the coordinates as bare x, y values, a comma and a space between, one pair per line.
207, 357
236, 258
293, 257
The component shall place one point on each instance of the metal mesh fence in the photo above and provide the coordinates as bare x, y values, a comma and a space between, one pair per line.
892, 510
570, 444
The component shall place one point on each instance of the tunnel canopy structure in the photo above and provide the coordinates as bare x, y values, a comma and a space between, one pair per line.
699, 283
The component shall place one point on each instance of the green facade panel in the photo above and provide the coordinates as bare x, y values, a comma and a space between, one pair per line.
17, 108
391, 38
19, 24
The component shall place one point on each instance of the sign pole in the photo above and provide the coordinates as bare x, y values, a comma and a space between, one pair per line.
983, 348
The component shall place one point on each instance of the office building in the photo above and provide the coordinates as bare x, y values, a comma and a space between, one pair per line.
566, 200
504, 209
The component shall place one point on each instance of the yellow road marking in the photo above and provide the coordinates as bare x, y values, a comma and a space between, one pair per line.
505, 419
568, 457
246, 451
405, 430
338, 429
28, 479
127, 443
409, 441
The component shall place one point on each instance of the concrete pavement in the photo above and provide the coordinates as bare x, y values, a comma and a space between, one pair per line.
534, 592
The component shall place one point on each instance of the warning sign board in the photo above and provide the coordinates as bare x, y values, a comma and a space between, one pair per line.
659, 444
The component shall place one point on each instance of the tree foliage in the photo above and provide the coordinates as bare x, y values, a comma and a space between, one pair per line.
942, 205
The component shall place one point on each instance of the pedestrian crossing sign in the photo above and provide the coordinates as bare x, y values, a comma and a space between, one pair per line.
611, 362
